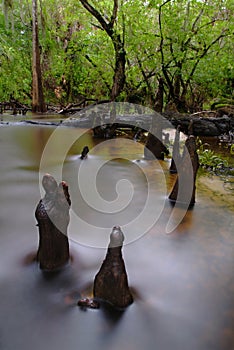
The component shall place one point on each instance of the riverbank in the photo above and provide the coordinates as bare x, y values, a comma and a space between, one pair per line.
204, 124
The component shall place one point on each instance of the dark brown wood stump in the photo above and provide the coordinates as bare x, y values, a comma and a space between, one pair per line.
186, 177
176, 151
84, 152
154, 147
52, 215
111, 282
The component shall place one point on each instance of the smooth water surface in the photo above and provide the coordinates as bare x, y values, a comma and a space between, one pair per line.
183, 282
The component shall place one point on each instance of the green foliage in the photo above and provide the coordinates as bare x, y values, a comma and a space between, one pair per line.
208, 159
232, 149
15, 61
189, 45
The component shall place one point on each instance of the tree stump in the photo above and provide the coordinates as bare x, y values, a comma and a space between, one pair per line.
154, 148
111, 282
186, 177
52, 215
158, 106
176, 151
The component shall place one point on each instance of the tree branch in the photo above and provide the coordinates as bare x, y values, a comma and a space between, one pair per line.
114, 14
98, 16
99, 72
146, 79
169, 83
206, 49
197, 19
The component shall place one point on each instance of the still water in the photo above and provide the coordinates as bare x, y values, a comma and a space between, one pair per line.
183, 281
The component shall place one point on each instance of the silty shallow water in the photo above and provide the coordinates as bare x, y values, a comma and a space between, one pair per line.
183, 282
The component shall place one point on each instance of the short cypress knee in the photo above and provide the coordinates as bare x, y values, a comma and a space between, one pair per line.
111, 282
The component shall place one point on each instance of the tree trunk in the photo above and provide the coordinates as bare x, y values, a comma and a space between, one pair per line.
38, 104
186, 178
119, 73
158, 106
118, 43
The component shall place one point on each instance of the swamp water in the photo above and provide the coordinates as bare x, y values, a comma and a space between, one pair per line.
183, 281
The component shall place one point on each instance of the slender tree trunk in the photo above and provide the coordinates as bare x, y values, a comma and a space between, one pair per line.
118, 43
158, 106
38, 104
119, 73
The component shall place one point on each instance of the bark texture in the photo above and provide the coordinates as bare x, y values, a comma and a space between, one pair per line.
186, 177
38, 104
111, 282
176, 152
52, 214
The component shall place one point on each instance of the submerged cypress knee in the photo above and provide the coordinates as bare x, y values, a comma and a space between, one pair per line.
52, 215
84, 152
111, 282
186, 177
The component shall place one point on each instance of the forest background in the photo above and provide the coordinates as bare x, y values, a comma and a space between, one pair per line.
112, 50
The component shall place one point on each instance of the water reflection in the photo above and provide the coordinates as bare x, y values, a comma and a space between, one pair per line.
184, 281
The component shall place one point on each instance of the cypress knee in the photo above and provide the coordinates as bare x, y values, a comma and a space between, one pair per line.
52, 215
185, 177
111, 282
154, 147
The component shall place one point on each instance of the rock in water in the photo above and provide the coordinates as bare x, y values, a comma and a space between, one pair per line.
52, 215
111, 282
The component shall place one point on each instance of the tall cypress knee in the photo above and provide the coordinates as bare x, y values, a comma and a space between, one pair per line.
186, 178
176, 151
52, 215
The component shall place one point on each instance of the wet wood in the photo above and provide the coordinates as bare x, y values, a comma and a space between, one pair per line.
186, 177
176, 151
88, 303
111, 282
84, 153
154, 147
14, 106
52, 215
